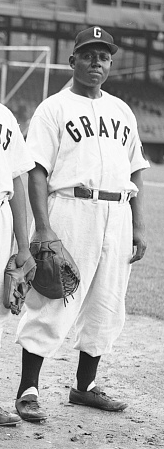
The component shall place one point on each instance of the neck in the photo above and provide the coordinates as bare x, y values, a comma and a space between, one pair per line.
85, 91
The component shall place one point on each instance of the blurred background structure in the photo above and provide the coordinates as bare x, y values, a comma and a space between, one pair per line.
36, 39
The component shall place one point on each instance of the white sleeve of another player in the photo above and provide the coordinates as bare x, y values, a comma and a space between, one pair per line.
19, 159
43, 142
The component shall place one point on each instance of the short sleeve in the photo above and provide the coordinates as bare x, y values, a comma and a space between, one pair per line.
19, 159
137, 156
43, 142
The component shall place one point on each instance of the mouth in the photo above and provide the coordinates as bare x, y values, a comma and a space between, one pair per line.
94, 72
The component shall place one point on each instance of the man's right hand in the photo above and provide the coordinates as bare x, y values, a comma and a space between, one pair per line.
45, 235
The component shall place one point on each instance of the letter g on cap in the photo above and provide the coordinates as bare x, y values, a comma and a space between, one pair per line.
97, 32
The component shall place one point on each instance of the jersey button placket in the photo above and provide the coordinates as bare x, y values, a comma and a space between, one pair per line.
96, 114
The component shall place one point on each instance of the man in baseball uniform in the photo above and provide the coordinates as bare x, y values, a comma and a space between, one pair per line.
86, 190
14, 161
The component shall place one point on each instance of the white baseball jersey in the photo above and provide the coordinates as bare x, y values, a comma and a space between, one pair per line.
14, 158
83, 141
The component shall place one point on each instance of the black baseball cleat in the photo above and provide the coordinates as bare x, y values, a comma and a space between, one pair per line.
9, 419
96, 398
29, 408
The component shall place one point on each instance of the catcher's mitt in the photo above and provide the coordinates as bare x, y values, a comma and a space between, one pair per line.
17, 282
57, 275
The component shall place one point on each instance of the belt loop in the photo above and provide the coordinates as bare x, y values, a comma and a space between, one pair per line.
124, 195
95, 195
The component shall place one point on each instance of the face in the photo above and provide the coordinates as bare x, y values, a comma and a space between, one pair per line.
91, 64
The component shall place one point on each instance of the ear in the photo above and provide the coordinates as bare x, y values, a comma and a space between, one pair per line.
72, 61
111, 62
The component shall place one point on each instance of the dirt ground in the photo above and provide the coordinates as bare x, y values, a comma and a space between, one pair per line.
133, 372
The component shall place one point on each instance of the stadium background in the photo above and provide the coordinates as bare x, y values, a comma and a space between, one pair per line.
135, 369
36, 38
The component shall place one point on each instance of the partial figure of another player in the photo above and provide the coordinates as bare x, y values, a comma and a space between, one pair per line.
14, 161
86, 190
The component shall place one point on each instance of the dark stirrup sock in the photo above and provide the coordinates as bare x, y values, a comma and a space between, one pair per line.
31, 365
86, 371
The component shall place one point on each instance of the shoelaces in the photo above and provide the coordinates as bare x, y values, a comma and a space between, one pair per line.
33, 405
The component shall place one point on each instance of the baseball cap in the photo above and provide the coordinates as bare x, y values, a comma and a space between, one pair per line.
94, 35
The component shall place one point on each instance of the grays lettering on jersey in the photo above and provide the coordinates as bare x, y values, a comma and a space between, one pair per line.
80, 141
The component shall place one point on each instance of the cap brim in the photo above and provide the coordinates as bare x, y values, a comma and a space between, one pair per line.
112, 47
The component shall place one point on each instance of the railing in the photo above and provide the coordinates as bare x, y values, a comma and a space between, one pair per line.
58, 5
138, 4
44, 54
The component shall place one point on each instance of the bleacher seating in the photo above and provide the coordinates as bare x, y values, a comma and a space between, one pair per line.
146, 101
30, 94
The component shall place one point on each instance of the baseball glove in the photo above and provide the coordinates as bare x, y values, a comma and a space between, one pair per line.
57, 275
17, 282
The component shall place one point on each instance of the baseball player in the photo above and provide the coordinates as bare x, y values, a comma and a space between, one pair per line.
86, 190
14, 160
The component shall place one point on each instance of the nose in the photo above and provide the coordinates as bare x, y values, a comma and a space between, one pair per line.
96, 60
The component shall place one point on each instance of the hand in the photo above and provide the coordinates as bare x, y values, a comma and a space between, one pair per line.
45, 235
140, 244
22, 256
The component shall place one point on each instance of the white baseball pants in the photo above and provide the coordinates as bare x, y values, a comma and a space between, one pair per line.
99, 238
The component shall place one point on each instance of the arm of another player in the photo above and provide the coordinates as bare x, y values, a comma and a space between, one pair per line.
18, 207
38, 194
139, 239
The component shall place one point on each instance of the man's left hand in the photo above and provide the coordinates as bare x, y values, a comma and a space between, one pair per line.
139, 245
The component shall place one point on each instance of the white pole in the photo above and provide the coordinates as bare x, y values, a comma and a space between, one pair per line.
24, 48
46, 74
3, 81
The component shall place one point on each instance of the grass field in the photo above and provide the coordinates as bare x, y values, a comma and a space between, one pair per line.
145, 295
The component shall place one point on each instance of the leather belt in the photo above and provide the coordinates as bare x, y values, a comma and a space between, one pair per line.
83, 192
